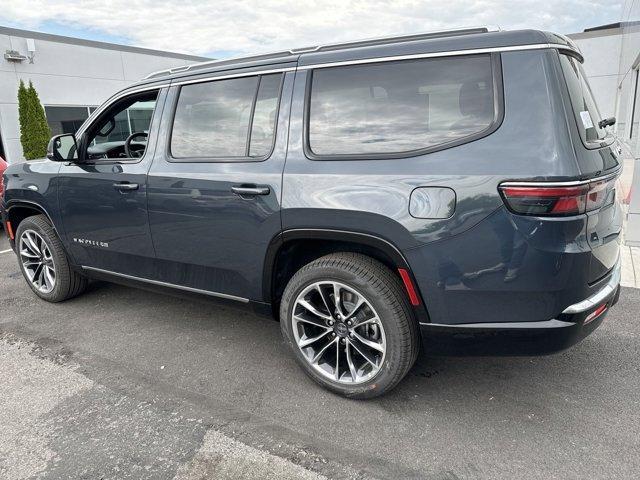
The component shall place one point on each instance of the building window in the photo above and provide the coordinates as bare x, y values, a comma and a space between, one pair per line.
66, 119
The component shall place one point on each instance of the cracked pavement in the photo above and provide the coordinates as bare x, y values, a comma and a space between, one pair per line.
124, 383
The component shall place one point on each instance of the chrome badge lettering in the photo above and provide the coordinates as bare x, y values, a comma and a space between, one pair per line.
92, 243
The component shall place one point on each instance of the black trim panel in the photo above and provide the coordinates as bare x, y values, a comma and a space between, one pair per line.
337, 235
510, 338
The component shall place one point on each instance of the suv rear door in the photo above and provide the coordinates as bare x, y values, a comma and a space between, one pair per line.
215, 183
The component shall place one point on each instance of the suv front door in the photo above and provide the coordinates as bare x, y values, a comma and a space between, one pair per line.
102, 195
216, 179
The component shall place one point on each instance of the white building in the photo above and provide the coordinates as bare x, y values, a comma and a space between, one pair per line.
612, 64
72, 76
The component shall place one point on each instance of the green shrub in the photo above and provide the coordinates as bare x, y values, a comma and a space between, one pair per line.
34, 129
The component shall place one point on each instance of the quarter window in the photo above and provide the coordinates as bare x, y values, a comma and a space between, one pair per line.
584, 105
264, 117
226, 119
399, 107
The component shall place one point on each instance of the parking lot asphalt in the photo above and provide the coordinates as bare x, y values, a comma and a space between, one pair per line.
124, 383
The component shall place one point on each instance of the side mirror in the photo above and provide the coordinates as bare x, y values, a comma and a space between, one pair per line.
607, 122
62, 148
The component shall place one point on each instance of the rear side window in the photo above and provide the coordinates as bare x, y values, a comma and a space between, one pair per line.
232, 119
399, 107
583, 104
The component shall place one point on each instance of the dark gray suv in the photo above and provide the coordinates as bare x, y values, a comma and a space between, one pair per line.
450, 192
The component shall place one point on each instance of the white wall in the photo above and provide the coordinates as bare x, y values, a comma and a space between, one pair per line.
629, 62
601, 51
611, 59
68, 74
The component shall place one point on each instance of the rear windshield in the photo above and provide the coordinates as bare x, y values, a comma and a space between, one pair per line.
584, 106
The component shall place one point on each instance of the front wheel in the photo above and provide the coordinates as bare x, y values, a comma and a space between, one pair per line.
346, 318
44, 263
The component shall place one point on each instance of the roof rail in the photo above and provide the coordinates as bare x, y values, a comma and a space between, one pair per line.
454, 32
330, 47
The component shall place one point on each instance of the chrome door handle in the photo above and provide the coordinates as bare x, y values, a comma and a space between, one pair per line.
126, 186
238, 190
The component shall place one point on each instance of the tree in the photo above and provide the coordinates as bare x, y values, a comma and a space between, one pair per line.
34, 129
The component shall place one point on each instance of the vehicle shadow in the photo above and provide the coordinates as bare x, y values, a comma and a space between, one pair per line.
209, 337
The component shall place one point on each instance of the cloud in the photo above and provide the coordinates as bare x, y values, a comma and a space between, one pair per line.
222, 27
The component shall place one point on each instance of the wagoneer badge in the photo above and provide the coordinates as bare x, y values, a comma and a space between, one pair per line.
93, 243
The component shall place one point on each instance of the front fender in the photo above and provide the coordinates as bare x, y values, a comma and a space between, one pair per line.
33, 185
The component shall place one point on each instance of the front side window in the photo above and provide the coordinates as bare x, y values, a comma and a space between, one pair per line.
584, 105
65, 119
226, 119
122, 131
399, 107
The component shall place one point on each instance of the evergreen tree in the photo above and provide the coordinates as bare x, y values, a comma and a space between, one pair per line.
23, 115
34, 130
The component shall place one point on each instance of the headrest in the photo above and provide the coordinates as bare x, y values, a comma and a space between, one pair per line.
475, 99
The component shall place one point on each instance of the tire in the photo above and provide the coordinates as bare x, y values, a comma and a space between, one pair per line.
383, 298
67, 283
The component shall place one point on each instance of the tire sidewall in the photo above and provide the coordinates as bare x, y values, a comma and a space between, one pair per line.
58, 257
306, 276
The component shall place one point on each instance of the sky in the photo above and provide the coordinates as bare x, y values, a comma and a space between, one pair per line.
223, 28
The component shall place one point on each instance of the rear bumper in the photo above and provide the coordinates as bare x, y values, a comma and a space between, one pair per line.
522, 338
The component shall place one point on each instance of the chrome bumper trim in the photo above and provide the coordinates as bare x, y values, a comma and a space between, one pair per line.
599, 297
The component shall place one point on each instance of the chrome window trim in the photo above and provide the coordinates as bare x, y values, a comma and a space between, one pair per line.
497, 86
253, 73
118, 96
212, 76
170, 285
451, 53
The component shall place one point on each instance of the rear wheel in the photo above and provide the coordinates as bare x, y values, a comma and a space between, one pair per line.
346, 318
44, 263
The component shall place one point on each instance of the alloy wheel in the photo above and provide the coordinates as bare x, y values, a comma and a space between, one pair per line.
37, 261
338, 332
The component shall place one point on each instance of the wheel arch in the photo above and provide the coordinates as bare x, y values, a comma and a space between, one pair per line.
292, 249
17, 210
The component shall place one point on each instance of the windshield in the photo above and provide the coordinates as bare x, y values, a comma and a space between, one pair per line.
584, 106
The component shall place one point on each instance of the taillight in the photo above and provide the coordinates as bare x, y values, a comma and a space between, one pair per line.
557, 200
600, 193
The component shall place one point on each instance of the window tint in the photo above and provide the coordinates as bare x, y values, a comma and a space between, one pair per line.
264, 117
396, 107
584, 106
131, 117
212, 119
133, 114
65, 119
